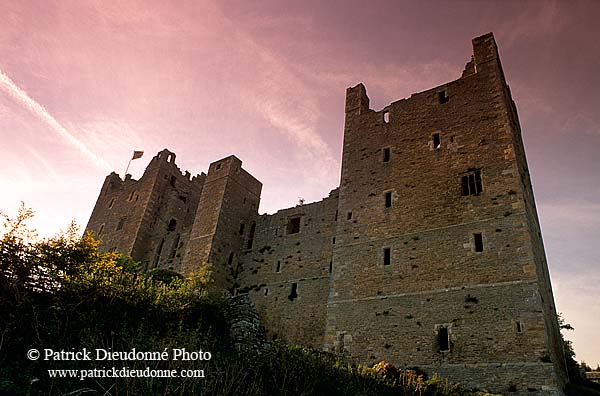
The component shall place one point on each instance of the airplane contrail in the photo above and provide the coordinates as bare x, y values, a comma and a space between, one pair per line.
8, 86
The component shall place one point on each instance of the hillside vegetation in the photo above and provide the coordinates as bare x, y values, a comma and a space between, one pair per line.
64, 294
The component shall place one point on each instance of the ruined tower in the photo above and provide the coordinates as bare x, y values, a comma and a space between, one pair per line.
440, 264
428, 255
148, 219
225, 221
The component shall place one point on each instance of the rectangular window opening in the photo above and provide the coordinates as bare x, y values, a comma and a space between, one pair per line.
330, 267
388, 199
443, 339
242, 226
387, 256
266, 292
478, 240
436, 141
294, 292
386, 154
349, 216
519, 327
293, 226
443, 97
471, 183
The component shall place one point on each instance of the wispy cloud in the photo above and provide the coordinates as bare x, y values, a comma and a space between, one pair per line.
284, 98
21, 97
535, 21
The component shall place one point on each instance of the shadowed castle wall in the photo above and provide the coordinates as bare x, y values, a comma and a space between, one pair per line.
428, 255
148, 219
493, 304
287, 271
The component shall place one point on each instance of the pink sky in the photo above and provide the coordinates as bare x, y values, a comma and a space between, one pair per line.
82, 84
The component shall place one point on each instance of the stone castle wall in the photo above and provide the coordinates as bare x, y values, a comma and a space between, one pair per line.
428, 255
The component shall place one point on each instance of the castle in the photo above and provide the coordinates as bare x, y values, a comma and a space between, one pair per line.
429, 254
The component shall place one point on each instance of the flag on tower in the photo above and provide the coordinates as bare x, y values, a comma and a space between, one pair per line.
137, 154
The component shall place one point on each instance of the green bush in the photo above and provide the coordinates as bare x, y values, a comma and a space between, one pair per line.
65, 294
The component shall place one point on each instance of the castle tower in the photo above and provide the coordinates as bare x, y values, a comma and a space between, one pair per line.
225, 222
438, 261
428, 255
148, 219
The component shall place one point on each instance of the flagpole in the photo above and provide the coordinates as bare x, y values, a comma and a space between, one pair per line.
126, 169
136, 155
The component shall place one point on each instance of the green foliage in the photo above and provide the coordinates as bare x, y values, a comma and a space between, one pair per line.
65, 294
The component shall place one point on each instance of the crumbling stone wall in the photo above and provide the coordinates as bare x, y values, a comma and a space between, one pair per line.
245, 327
428, 255
224, 221
150, 218
441, 269
287, 271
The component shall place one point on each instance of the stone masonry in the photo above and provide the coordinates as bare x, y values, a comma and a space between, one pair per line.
429, 254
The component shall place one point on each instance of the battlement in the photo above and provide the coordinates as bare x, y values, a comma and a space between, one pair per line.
428, 254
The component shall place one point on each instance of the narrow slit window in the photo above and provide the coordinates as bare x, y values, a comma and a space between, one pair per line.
175, 246
443, 97
278, 266
478, 241
294, 292
386, 154
443, 339
471, 183
230, 261
330, 267
436, 141
386, 117
158, 253
250, 241
100, 230
266, 292
349, 216
242, 226
388, 199
111, 203
387, 256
